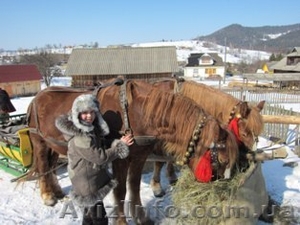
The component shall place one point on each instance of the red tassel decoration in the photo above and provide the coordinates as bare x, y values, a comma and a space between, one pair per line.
233, 126
203, 171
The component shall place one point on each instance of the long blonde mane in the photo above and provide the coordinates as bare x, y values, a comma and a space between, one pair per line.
176, 118
217, 102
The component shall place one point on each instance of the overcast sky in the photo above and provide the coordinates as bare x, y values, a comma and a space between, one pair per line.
34, 23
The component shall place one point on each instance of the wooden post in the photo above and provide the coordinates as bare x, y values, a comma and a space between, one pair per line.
284, 119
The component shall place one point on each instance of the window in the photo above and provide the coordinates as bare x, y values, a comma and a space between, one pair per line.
195, 73
210, 71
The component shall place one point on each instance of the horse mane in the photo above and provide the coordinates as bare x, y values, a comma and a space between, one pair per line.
218, 102
255, 120
210, 98
176, 117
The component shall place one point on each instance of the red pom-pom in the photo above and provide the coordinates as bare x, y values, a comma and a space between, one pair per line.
233, 126
203, 171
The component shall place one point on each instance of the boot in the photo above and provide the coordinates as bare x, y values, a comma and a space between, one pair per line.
86, 219
98, 214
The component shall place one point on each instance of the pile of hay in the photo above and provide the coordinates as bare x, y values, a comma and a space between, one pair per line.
202, 203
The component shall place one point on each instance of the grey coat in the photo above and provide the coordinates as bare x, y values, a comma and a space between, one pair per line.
87, 165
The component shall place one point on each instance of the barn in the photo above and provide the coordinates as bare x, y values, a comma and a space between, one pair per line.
87, 67
20, 80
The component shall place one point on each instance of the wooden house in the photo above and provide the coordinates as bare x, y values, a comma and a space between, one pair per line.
204, 65
20, 80
286, 72
87, 67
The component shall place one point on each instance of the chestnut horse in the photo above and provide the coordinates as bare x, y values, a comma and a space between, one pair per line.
243, 119
190, 134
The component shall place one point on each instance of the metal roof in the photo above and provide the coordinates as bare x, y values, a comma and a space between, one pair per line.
272, 76
122, 61
282, 64
15, 73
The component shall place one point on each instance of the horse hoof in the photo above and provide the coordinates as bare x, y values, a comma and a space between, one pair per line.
49, 200
145, 222
120, 221
60, 195
159, 194
173, 182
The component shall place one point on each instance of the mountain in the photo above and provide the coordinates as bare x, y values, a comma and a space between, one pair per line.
279, 39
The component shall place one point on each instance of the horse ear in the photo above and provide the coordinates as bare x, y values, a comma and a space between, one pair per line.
244, 109
261, 105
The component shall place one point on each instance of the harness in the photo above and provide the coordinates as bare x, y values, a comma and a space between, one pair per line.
233, 123
139, 140
208, 163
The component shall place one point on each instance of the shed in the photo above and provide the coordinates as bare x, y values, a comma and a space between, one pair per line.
87, 67
20, 80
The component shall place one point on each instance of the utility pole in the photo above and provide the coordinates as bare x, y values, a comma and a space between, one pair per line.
225, 53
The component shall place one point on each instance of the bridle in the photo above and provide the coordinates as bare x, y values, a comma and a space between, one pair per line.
233, 119
212, 150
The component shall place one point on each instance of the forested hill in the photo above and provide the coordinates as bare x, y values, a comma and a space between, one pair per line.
266, 38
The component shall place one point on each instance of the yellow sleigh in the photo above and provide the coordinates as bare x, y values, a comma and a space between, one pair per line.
15, 147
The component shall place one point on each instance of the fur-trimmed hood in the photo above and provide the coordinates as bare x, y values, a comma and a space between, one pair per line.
71, 125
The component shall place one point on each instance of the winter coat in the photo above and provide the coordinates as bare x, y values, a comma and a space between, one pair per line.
87, 159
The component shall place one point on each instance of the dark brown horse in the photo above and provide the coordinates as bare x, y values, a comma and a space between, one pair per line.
189, 133
243, 119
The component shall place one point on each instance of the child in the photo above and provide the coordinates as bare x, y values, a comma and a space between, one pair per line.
84, 129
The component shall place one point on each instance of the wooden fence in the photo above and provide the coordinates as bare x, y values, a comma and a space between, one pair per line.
271, 97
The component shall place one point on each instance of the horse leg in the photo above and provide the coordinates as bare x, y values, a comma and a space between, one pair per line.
170, 169
134, 182
42, 166
155, 181
120, 168
58, 192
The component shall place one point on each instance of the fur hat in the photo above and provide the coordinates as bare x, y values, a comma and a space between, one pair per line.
87, 102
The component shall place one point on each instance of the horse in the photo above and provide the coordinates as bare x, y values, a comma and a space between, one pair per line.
190, 135
243, 119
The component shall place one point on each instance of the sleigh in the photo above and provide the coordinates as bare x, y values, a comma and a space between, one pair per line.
15, 145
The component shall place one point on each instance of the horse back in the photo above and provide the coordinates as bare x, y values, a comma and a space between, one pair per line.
46, 106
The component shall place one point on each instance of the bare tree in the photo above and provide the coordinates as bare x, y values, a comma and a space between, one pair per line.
46, 64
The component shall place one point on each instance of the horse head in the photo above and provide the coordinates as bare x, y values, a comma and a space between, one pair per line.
246, 123
212, 151
192, 136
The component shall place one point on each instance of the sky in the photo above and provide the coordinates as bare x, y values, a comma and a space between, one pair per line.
32, 23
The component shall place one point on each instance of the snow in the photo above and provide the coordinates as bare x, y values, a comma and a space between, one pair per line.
22, 204
233, 55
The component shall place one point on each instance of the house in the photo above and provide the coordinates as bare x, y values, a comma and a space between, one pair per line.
204, 65
20, 80
87, 67
290, 63
285, 73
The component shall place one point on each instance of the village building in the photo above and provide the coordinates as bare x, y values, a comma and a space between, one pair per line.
87, 67
20, 80
284, 74
204, 66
